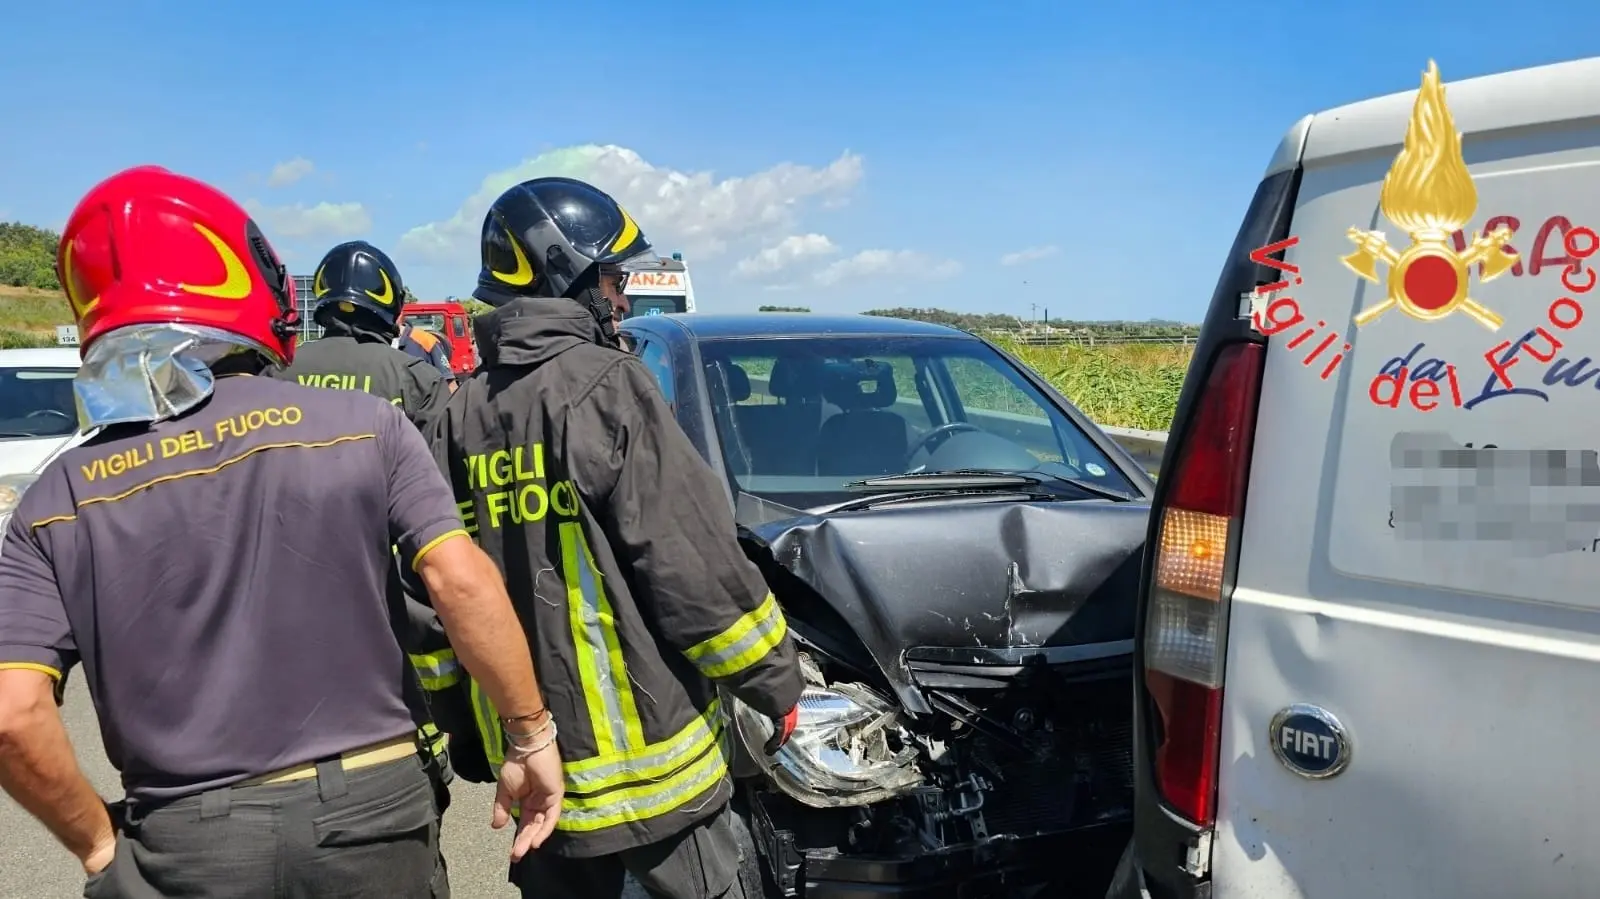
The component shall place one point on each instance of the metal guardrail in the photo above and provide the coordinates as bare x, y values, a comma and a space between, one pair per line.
1146, 447
1062, 338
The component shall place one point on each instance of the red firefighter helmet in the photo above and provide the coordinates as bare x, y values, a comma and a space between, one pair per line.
149, 246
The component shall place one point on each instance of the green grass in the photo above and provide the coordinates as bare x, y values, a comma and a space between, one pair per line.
1126, 386
28, 317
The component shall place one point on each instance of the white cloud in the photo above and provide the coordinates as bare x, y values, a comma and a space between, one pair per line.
884, 263
785, 253
301, 221
692, 211
1031, 254
287, 173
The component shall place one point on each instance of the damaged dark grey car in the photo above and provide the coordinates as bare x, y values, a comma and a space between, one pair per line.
957, 550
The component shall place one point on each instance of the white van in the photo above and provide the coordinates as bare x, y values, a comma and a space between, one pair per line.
1349, 687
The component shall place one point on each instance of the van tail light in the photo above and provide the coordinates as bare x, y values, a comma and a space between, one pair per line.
1186, 631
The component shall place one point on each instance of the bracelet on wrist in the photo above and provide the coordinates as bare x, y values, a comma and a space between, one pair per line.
529, 734
523, 750
531, 716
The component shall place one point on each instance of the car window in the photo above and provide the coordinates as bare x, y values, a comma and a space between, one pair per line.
653, 353
37, 402
997, 395
460, 324
805, 416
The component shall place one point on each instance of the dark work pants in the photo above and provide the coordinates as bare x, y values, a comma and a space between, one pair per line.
369, 833
699, 863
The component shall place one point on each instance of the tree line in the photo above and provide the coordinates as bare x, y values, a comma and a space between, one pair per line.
28, 256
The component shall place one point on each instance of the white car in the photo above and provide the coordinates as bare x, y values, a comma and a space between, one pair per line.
1370, 640
37, 411
38, 416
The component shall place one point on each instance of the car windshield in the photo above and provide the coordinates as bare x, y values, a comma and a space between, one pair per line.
799, 419
428, 321
37, 402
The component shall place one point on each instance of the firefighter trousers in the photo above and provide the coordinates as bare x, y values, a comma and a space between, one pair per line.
699, 863
365, 832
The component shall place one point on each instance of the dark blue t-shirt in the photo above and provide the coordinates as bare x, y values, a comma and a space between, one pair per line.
221, 578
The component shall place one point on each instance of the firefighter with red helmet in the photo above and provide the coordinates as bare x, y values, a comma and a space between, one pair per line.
620, 552
215, 559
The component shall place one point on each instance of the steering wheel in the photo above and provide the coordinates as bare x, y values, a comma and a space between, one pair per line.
942, 431
40, 412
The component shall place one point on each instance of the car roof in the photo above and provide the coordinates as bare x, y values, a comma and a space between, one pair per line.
710, 326
54, 357
1559, 92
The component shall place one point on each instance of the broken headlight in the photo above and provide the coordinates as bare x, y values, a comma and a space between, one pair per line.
848, 748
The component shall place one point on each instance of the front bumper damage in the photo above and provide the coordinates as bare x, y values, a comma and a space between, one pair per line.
1002, 866
996, 867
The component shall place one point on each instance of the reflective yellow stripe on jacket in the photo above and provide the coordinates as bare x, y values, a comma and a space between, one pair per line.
438, 670
745, 642
628, 779
601, 669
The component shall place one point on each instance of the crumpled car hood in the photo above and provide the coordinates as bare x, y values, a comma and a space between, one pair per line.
982, 577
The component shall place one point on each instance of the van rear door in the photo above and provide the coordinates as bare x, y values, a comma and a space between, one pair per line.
1451, 637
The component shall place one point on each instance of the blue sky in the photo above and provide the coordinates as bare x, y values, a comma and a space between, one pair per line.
838, 155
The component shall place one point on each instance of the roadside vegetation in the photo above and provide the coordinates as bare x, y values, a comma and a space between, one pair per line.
1122, 385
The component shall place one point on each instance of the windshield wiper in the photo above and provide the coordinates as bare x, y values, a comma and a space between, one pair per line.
973, 478
953, 479
914, 496
1091, 487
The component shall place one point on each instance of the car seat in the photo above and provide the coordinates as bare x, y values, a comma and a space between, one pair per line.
731, 388
863, 438
782, 437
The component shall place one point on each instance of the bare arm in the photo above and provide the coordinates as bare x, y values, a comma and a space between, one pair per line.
470, 597
38, 768
37, 647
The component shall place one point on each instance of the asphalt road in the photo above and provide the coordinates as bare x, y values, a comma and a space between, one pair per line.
34, 866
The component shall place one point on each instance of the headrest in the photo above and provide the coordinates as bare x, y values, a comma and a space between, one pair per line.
737, 379
796, 378
863, 385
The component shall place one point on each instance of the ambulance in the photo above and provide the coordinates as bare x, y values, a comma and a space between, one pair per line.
665, 288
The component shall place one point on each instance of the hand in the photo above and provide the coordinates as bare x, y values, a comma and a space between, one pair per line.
533, 782
99, 857
782, 730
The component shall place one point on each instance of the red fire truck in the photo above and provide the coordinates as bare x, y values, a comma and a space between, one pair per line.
451, 321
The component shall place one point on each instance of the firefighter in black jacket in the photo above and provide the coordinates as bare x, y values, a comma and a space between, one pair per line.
619, 549
359, 298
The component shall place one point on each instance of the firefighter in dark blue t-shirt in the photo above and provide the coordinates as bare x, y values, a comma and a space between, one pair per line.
216, 558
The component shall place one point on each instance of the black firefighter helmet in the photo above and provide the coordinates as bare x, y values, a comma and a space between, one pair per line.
357, 282
553, 237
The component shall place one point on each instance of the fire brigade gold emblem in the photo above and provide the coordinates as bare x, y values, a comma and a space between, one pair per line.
1429, 194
